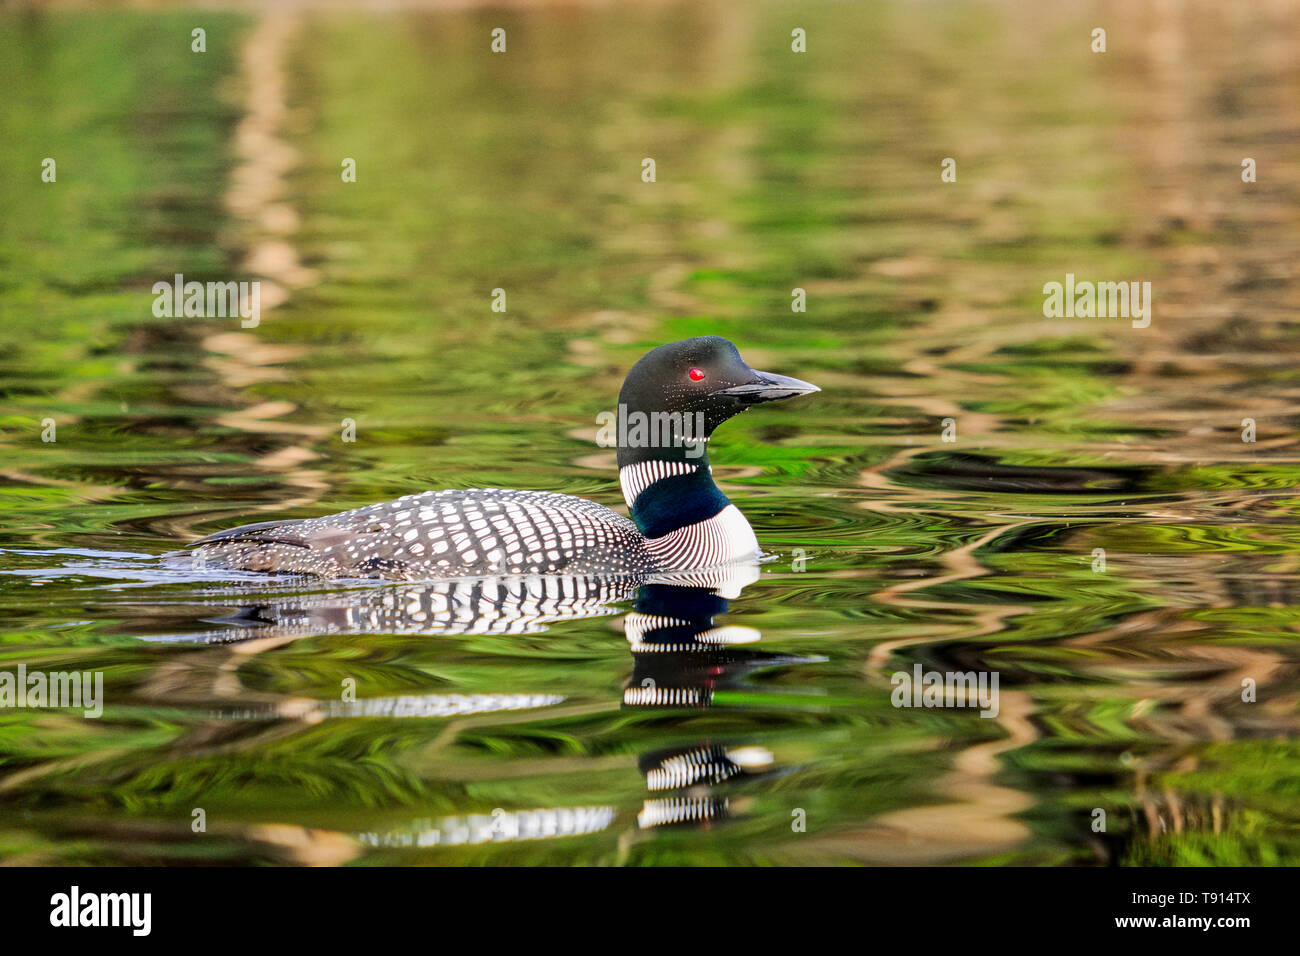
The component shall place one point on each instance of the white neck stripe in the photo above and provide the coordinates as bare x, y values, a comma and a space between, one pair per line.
639, 476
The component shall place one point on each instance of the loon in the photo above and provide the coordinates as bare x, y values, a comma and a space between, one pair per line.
680, 520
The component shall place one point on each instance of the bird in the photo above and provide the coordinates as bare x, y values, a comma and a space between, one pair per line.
668, 407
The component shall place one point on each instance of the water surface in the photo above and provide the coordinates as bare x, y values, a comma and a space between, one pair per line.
421, 724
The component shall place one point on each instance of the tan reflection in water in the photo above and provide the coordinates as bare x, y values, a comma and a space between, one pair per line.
256, 201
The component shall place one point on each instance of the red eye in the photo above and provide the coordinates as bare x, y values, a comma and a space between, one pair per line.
696, 374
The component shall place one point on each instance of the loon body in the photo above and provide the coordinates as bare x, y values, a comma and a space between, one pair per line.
671, 401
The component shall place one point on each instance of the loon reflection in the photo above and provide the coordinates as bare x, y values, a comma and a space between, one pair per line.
682, 658
508, 604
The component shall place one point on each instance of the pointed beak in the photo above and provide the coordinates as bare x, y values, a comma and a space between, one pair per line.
769, 387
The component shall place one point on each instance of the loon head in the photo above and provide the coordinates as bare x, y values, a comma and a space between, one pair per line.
676, 395
670, 403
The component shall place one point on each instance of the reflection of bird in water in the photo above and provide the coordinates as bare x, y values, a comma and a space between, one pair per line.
493, 605
695, 772
681, 657
517, 604
499, 826
706, 764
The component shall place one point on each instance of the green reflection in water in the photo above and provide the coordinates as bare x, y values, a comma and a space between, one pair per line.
1121, 688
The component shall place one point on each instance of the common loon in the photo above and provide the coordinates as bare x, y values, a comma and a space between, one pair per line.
670, 403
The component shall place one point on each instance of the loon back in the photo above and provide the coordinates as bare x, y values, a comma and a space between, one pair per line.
671, 401
441, 534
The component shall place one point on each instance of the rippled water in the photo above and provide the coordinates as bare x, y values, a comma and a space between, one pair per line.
729, 721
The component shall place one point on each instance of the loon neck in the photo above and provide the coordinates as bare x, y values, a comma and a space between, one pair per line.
669, 492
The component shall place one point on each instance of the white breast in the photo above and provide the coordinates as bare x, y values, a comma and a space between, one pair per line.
724, 538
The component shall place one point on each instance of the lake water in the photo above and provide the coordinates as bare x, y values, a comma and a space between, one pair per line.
1096, 532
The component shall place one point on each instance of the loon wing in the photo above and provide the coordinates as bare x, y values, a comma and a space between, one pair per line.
304, 533
281, 531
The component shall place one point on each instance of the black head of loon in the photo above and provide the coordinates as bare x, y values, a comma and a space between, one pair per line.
705, 382
670, 403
